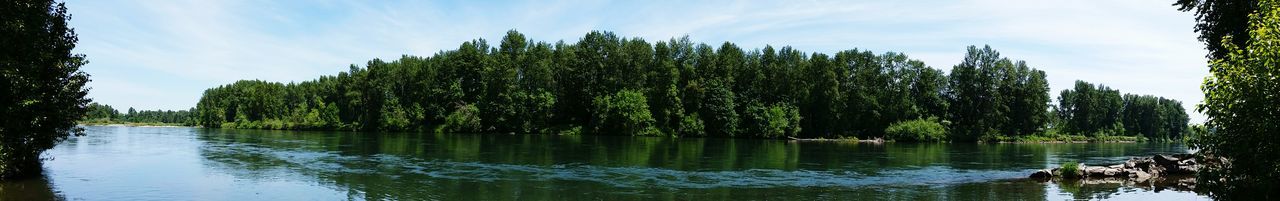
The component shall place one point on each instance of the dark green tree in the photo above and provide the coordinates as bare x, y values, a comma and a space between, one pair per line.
1242, 103
1217, 19
42, 92
1091, 110
973, 95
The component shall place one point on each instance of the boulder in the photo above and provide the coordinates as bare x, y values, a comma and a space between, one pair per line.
1141, 169
1043, 174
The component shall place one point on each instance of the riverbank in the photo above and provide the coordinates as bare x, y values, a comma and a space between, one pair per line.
1059, 139
132, 124
841, 140
1064, 139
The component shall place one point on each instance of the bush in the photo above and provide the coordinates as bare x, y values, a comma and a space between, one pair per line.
775, 121
690, 125
1070, 169
465, 119
623, 113
573, 131
919, 130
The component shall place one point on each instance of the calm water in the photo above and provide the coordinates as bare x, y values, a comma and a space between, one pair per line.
135, 163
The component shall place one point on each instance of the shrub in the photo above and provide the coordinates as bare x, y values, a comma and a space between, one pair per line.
775, 121
576, 130
919, 130
690, 125
464, 119
1070, 169
623, 113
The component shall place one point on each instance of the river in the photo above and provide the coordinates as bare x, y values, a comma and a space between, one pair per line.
177, 163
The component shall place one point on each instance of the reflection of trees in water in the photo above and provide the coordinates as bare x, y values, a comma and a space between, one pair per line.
502, 167
29, 189
1105, 188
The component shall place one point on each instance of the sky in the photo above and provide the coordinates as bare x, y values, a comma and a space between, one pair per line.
163, 54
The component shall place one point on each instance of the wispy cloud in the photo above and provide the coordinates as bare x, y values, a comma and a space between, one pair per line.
163, 54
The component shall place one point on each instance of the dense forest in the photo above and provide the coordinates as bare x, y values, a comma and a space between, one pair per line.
610, 85
105, 114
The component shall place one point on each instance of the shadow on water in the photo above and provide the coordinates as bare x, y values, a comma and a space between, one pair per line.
29, 189
469, 167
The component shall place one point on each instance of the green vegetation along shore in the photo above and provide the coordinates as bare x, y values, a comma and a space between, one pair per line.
100, 114
610, 85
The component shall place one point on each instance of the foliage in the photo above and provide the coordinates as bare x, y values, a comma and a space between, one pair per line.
1070, 170
604, 84
100, 111
1195, 132
994, 96
466, 119
1217, 19
1091, 110
1154, 117
1100, 111
690, 125
104, 114
1242, 102
42, 92
625, 113
919, 130
775, 121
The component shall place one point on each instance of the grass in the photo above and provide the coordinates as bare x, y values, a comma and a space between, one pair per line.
1070, 169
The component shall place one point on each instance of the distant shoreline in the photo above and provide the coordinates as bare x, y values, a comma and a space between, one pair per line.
133, 125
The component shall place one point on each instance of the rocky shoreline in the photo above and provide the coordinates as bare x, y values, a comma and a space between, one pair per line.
1176, 170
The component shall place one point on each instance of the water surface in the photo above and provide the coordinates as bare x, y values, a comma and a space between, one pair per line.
154, 163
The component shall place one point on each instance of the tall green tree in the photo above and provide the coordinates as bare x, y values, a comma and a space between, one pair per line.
822, 106
501, 82
1026, 93
1242, 103
1217, 19
42, 90
664, 88
973, 95
1090, 109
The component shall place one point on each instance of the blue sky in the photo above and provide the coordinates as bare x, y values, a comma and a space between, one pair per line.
164, 54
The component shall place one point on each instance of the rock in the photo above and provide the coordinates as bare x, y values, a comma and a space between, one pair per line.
1184, 156
1139, 176
1113, 172
1042, 174
1095, 171
1141, 170
1164, 159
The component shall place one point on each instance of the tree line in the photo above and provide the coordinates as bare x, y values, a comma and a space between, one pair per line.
102, 113
1098, 110
611, 85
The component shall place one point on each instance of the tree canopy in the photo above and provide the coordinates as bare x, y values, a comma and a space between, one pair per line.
605, 84
42, 92
1217, 19
1242, 102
